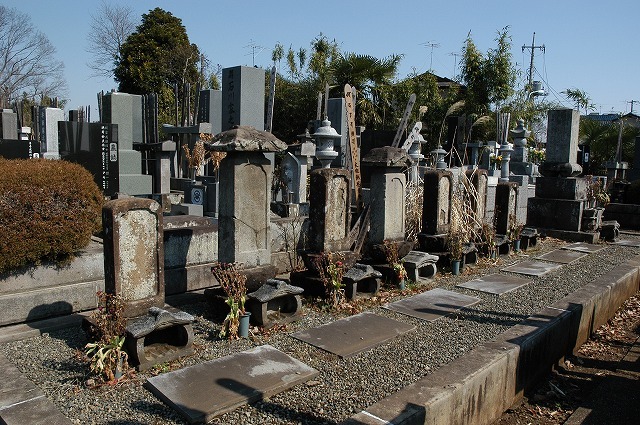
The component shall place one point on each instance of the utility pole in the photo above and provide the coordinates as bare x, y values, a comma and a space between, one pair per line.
533, 48
632, 102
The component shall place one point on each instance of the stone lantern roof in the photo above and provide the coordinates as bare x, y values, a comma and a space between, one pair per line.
246, 139
387, 156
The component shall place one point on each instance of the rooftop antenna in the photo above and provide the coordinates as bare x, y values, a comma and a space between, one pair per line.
455, 63
432, 45
632, 102
253, 46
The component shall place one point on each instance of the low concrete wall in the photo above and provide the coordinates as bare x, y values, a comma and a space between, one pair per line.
477, 387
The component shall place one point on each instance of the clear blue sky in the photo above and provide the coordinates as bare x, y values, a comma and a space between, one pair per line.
590, 45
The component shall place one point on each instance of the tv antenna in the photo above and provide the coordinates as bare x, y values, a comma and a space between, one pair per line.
253, 46
432, 45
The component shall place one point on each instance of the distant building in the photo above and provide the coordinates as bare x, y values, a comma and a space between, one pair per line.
629, 119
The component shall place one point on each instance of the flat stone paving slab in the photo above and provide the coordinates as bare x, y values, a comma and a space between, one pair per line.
496, 284
532, 268
589, 248
628, 242
433, 304
206, 390
562, 256
352, 335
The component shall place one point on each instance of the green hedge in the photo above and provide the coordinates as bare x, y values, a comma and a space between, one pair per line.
48, 210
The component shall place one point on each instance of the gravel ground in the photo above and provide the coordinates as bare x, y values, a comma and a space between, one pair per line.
344, 386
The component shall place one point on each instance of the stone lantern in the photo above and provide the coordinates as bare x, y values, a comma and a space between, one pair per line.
324, 137
438, 155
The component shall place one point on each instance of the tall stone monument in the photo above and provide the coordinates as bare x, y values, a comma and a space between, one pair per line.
48, 119
243, 94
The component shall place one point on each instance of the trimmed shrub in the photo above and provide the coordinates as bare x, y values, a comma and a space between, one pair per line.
48, 210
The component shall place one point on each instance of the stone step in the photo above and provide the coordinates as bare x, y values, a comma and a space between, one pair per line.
206, 390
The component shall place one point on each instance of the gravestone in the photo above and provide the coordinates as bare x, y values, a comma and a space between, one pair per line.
125, 110
337, 114
243, 97
506, 204
560, 198
634, 173
329, 210
479, 181
245, 195
9, 125
19, 149
134, 253
48, 119
387, 197
95, 147
563, 126
210, 109
436, 210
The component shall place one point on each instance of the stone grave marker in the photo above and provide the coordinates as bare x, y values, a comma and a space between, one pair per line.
48, 119
243, 97
329, 210
8, 124
125, 110
210, 109
134, 253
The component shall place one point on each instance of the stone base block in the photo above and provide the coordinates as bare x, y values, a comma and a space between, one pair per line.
587, 237
560, 214
628, 215
135, 184
432, 243
573, 188
283, 309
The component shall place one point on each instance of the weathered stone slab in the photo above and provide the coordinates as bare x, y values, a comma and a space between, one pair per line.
531, 268
584, 247
628, 242
353, 335
203, 391
432, 305
562, 256
496, 284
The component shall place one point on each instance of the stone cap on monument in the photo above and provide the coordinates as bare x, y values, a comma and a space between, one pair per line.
387, 156
245, 139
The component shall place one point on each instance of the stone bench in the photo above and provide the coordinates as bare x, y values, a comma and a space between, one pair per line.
528, 238
361, 279
274, 302
420, 265
160, 336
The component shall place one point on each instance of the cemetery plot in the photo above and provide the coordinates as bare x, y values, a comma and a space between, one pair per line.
583, 247
562, 256
628, 242
203, 391
532, 268
432, 305
353, 335
496, 284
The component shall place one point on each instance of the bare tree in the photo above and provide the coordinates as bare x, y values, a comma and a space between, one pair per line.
28, 67
108, 30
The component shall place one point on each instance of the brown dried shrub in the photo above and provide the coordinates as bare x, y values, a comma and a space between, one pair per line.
48, 210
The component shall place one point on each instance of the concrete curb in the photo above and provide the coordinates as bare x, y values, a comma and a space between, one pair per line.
477, 387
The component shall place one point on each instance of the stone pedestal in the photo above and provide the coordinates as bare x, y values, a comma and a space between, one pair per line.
134, 253
245, 195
